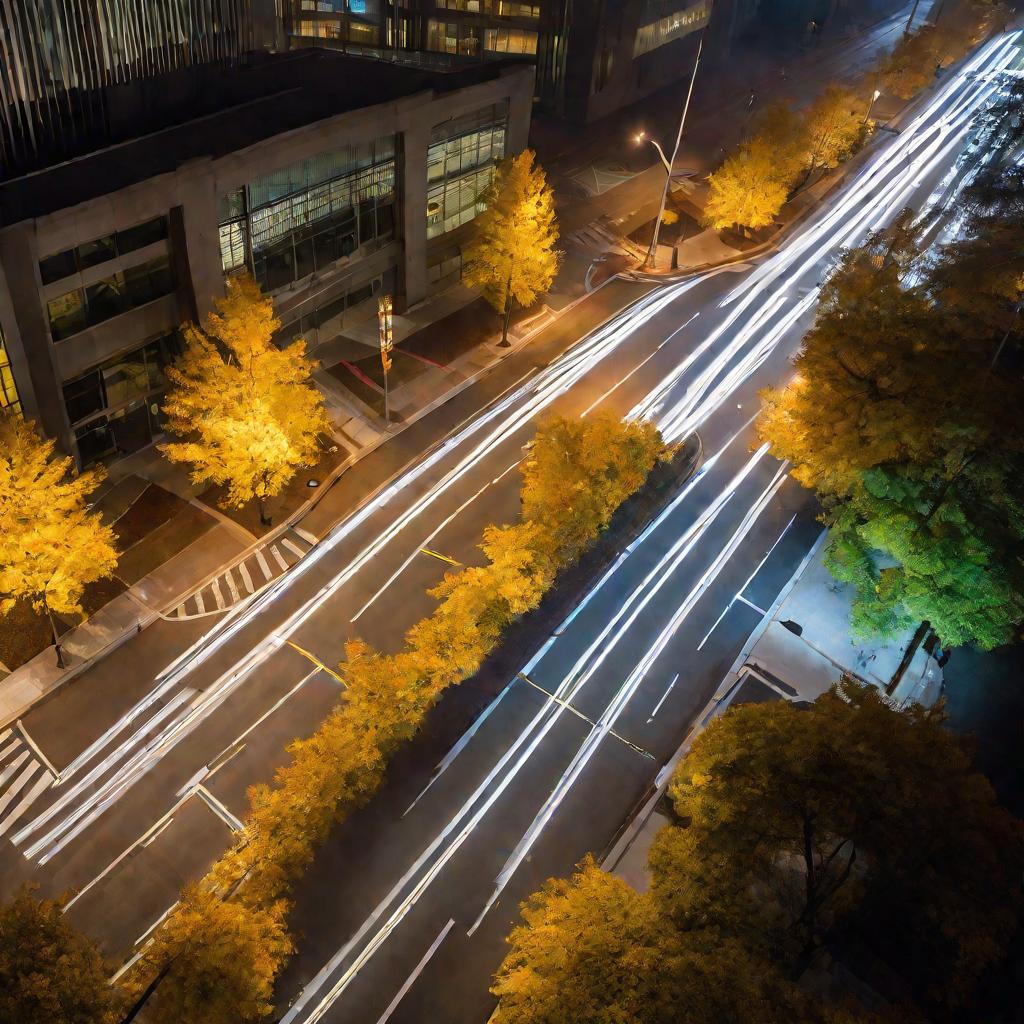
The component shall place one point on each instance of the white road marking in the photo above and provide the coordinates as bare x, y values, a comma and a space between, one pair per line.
292, 547
217, 595
232, 586
277, 556
393, 1005
657, 707
268, 575
243, 571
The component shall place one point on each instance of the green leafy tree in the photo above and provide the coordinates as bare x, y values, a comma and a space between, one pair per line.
847, 822
941, 544
51, 544
248, 411
511, 256
49, 973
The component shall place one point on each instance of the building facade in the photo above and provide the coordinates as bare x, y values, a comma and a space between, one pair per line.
331, 178
591, 57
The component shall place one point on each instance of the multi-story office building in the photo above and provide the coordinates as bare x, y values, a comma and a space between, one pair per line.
591, 58
332, 178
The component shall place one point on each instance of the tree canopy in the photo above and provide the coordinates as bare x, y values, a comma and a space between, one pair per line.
749, 189
49, 973
247, 412
896, 419
511, 255
51, 544
843, 830
822, 826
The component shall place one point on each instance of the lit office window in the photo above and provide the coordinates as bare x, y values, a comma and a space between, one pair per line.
664, 25
305, 217
460, 165
453, 37
8, 390
510, 40
234, 231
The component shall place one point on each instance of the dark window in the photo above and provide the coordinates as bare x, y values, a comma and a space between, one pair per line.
385, 220
304, 265
99, 251
105, 299
360, 295
94, 441
84, 396
61, 265
141, 235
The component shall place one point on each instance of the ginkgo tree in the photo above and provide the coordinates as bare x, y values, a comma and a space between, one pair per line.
51, 544
247, 412
511, 256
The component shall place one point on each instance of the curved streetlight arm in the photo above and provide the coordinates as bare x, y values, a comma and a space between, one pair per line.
664, 159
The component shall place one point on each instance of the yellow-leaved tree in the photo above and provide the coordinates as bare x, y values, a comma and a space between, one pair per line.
749, 189
51, 545
247, 412
511, 256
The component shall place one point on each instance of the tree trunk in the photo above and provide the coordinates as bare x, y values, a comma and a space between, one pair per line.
505, 343
56, 638
265, 520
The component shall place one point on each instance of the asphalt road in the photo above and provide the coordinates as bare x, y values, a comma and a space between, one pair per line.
156, 745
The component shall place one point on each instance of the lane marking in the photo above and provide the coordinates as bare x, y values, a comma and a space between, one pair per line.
20, 726
218, 808
657, 707
316, 661
579, 714
292, 547
749, 604
393, 1005
277, 557
261, 558
438, 555
246, 578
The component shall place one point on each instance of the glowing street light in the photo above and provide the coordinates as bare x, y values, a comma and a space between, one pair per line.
384, 323
874, 96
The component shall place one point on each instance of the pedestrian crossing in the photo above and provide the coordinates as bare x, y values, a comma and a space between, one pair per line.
23, 777
252, 573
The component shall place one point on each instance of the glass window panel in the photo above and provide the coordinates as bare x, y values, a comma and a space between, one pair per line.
84, 396
67, 314
304, 265
141, 235
56, 267
125, 378
98, 251
94, 441
105, 298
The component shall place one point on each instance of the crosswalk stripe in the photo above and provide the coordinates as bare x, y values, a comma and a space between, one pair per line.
4, 735
246, 578
280, 561
180, 611
292, 547
13, 745
263, 565
200, 604
13, 767
44, 782
18, 784
217, 595
232, 586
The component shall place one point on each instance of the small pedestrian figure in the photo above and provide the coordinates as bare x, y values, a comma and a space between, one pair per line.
750, 101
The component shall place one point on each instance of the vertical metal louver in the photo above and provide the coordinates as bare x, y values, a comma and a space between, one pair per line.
57, 56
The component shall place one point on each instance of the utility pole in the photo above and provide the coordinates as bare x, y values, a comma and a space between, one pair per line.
652, 253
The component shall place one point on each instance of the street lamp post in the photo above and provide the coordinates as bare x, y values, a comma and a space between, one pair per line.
871, 103
384, 323
652, 253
